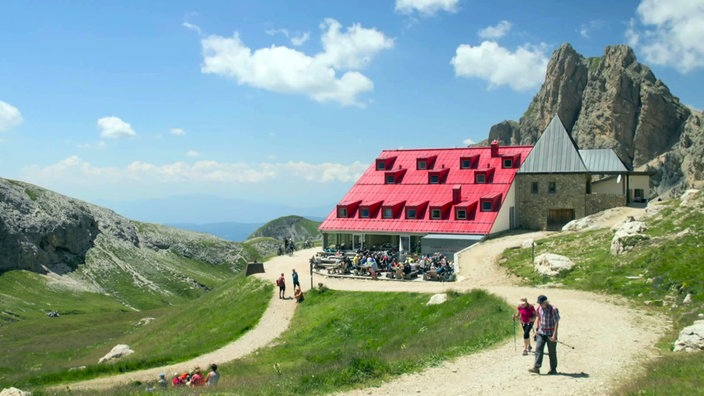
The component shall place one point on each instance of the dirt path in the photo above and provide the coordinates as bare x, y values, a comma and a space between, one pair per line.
610, 339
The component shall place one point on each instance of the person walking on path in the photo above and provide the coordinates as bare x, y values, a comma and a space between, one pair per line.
548, 319
526, 312
281, 283
294, 276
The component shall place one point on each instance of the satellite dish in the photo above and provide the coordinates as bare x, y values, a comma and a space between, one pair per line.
618, 179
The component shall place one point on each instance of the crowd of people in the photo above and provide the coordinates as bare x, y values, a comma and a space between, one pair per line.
193, 378
372, 263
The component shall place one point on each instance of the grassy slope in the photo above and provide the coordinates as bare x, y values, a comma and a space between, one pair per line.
662, 268
176, 334
340, 340
280, 227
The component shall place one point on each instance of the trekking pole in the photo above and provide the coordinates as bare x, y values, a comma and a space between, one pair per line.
567, 345
514, 335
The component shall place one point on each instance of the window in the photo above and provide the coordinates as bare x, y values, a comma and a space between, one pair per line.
342, 213
638, 195
480, 178
486, 206
534, 188
465, 163
435, 214
364, 213
461, 214
422, 165
552, 188
411, 213
390, 179
381, 165
434, 179
388, 213
508, 163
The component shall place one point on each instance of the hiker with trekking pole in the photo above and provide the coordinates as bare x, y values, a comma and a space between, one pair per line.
526, 313
547, 321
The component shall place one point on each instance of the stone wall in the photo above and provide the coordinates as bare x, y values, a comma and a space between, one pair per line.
597, 202
532, 208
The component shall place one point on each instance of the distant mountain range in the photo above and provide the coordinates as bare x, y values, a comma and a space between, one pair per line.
209, 212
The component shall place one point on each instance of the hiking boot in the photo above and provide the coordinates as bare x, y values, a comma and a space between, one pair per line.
525, 352
552, 372
534, 370
530, 348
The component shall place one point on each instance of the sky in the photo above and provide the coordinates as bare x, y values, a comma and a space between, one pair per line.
288, 102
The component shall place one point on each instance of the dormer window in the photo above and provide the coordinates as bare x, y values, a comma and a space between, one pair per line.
507, 163
422, 165
484, 176
385, 163
469, 162
435, 214
388, 213
490, 203
411, 213
364, 213
438, 176
461, 214
342, 212
395, 176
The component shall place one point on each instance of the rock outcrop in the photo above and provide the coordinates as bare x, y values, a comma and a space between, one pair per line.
118, 351
691, 338
626, 235
549, 264
44, 231
615, 102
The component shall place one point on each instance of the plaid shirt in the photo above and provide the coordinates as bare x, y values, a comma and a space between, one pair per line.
548, 318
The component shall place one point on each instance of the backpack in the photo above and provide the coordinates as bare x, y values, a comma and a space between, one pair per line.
278, 281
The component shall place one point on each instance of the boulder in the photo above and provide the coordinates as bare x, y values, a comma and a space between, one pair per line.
549, 264
527, 244
691, 338
117, 352
437, 299
12, 391
626, 235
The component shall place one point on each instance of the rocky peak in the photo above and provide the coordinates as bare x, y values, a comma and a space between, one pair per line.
615, 102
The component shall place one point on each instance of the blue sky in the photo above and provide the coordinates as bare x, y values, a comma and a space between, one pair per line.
289, 101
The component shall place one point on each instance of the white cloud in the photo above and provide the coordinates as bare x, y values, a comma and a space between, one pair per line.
426, 7
10, 116
97, 145
77, 171
115, 128
285, 70
586, 29
495, 32
300, 39
192, 27
177, 131
672, 33
469, 142
192, 153
521, 70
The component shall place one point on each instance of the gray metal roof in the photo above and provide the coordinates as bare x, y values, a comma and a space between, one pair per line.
554, 152
602, 161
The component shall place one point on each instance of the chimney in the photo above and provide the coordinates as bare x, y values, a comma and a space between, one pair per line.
494, 148
456, 194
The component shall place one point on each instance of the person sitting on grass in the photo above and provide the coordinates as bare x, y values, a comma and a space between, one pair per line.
298, 294
213, 376
197, 378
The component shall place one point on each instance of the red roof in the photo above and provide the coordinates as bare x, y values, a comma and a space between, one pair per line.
415, 189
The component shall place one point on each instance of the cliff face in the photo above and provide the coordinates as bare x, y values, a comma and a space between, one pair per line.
615, 102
